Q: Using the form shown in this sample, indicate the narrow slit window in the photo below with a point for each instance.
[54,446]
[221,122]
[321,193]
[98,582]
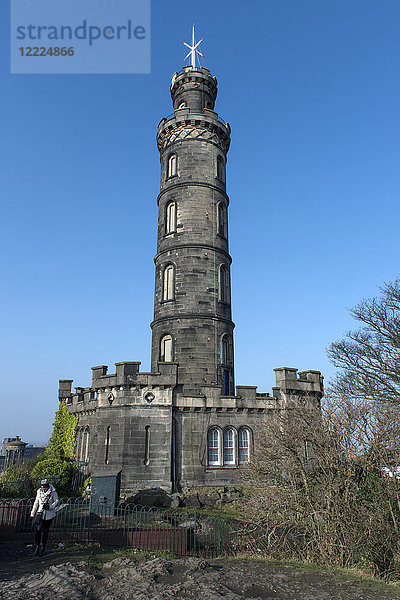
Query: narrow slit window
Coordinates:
[86,450]
[79,444]
[147,445]
[108,434]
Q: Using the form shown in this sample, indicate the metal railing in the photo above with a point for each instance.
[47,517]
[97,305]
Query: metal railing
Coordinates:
[128,525]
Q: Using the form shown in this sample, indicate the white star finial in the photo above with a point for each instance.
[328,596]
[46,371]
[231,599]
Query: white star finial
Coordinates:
[193,51]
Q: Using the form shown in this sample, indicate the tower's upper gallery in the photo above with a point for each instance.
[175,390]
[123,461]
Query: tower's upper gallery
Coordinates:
[194,89]
[193,94]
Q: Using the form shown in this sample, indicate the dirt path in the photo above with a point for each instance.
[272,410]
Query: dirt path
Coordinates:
[23,577]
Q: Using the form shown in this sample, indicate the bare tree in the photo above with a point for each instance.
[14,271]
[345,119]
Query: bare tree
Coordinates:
[341,508]
[369,357]
[341,505]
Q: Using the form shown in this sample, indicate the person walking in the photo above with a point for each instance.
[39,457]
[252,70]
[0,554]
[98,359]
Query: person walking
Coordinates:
[43,513]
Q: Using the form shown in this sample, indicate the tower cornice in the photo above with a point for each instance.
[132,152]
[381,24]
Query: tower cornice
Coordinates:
[186,184]
[207,316]
[195,246]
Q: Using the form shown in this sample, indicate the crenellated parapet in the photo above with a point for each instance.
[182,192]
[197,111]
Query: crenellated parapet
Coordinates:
[127,386]
[194,88]
[296,389]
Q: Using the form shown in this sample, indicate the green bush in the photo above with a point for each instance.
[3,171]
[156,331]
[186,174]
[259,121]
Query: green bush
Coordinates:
[56,463]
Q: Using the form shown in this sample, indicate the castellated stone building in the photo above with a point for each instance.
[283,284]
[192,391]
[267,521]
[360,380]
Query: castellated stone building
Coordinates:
[184,424]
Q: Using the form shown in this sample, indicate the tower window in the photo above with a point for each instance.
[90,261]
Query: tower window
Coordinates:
[182,105]
[223,284]
[170,217]
[168,283]
[166,350]
[226,350]
[220,168]
[229,446]
[244,445]
[172,165]
[226,388]
[222,219]
[214,445]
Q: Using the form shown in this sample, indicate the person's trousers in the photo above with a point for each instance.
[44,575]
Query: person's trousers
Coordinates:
[42,534]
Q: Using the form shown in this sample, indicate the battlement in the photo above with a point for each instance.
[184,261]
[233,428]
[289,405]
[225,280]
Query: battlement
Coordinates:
[293,387]
[195,88]
[122,386]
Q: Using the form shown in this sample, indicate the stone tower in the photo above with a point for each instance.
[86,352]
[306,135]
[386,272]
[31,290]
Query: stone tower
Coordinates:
[192,306]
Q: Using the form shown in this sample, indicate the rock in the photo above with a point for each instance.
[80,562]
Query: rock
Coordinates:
[192,500]
[175,501]
[152,497]
[206,500]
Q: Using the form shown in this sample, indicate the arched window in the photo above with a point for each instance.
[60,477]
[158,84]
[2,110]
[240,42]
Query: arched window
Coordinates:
[170,217]
[226,350]
[244,445]
[214,446]
[223,284]
[220,168]
[172,165]
[222,219]
[168,283]
[166,350]
[182,105]
[229,446]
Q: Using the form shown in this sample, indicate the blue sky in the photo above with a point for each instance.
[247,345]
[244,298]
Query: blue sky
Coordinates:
[311,90]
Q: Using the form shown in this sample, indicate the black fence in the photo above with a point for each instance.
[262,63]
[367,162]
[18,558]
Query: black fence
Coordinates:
[128,525]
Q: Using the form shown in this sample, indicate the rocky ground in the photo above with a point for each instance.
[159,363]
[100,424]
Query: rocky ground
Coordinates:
[62,575]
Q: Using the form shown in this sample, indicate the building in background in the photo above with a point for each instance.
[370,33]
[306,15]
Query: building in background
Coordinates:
[14,451]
